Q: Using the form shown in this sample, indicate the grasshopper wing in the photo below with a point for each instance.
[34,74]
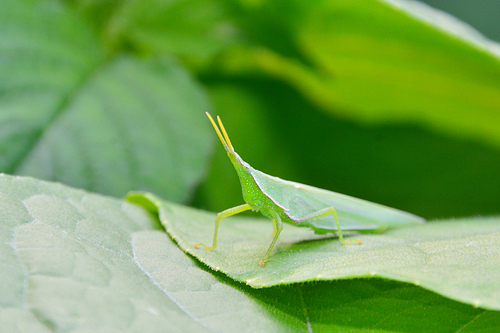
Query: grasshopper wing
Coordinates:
[299,200]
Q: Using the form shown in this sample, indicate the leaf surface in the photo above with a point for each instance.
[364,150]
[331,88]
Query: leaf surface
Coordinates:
[455,258]
[74,261]
[359,305]
[67,264]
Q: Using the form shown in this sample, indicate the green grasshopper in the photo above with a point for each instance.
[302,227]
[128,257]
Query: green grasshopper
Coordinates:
[303,205]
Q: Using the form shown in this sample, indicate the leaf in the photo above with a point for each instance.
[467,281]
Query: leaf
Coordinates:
[75,261]
[104,122]
[196,29]
[457,259]
[67,263]
[361,305]
[377,63]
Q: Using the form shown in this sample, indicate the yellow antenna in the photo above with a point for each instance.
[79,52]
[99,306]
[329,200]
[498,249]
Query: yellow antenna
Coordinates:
[225,133]
[224,139]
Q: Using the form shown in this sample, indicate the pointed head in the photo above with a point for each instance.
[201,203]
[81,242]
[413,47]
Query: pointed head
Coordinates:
[224,138]
[240,165]
[251,193]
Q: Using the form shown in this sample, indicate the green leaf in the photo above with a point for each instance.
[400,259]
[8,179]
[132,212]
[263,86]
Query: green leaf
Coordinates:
[67,263]
[378,63]
[193,29]
[104,122]
[361,305]
[457,259]
[74,261]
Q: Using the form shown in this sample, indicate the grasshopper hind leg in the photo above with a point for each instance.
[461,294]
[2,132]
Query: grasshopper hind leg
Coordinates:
[327,211]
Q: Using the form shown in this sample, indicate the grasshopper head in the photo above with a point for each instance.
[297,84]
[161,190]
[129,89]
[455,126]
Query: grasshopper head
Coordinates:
[250,189]
[224,138]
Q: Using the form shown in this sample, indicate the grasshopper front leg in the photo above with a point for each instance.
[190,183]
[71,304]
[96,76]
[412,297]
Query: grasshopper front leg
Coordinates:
[220,216]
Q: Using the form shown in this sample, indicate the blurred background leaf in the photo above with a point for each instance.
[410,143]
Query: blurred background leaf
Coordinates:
[107,121]
[390,101]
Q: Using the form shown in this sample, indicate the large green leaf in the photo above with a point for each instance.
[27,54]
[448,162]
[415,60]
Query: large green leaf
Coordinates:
[106,122]
[360,305]
[458,259]
[378,62]
[73,261]
[67,264]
